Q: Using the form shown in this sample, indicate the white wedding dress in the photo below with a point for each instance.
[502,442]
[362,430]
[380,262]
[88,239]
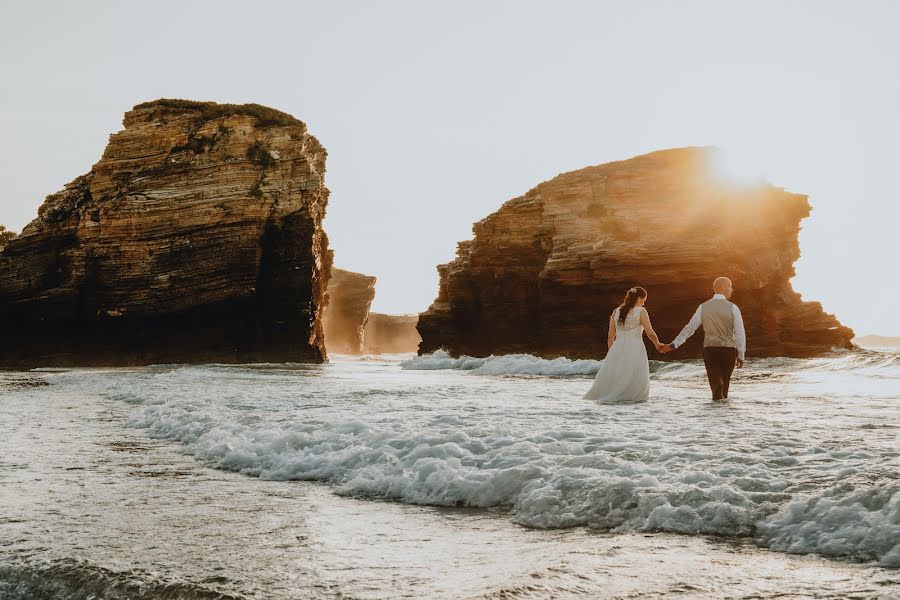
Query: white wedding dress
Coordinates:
[624,375]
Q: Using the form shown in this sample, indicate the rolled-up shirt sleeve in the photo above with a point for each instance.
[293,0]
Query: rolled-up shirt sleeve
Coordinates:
[739,333]
[690,329]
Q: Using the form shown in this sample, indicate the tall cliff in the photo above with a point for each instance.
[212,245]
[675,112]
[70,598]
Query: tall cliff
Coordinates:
[347,311]
[197,237]
[391,334]
[543,273]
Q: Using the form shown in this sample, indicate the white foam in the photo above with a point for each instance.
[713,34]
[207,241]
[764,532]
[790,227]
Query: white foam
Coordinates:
[846,364]
[797,472]
[861,523]
[509,364]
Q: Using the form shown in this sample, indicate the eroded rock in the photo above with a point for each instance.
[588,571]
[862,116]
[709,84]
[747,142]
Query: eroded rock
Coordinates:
[391,334]
[350,296]
[543,273]
[197,237]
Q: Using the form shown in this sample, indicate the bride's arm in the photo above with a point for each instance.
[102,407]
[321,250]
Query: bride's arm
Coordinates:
[611,336]
[648,328]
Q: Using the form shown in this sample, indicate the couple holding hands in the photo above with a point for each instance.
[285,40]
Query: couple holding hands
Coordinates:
[624,375]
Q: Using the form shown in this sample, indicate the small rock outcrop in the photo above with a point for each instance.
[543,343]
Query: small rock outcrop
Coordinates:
[391,334]
[349,298]
[543,273]
[351,329]
[197,237]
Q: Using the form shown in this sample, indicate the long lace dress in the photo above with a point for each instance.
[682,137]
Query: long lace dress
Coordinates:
[624,375]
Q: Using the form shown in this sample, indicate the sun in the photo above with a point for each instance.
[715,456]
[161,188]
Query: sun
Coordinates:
[737,166]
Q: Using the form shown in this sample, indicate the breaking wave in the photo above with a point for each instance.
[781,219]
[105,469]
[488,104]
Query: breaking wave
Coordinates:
[61,579]
[794,496]
[861,362]
[509,364]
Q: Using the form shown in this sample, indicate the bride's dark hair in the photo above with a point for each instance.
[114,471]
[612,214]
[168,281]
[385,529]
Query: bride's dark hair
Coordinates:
[631,298]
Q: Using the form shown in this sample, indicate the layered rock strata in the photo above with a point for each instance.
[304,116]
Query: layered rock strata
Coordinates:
[349,298]
[391,334]
[197,237]
[543,273]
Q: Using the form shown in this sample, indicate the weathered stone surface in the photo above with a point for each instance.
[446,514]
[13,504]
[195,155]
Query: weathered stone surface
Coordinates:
[351,329]
[197,237]
[543,273]
[349,297]
[391,334]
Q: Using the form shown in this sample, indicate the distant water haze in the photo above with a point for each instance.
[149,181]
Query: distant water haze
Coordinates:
[434,114]
[878,342]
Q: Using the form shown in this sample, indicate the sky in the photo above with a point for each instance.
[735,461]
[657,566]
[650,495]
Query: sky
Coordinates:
[435,113]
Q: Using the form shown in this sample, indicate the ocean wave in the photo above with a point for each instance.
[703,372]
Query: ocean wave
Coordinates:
[508,364]
[863,362]
[527,364]
[861,523]
[76,579]
[557,478]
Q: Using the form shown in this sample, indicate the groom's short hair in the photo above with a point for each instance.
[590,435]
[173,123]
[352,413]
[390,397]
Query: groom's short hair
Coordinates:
[721,283]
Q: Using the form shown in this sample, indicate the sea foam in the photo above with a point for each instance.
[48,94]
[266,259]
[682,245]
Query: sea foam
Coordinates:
[622,468]
[509,364]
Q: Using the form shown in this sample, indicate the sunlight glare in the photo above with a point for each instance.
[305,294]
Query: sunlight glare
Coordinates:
[738,167]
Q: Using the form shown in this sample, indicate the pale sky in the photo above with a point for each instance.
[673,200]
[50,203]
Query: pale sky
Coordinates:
[434,114]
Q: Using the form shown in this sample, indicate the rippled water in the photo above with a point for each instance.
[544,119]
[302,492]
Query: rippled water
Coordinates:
[270,481]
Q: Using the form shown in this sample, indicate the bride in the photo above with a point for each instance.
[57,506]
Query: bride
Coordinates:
[624,375]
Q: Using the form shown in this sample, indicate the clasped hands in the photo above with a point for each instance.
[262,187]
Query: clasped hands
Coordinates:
[664,348]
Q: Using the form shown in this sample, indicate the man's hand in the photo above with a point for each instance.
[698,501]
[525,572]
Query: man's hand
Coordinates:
[739,363]
[666,348]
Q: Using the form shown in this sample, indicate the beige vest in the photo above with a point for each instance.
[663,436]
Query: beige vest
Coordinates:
[717,317]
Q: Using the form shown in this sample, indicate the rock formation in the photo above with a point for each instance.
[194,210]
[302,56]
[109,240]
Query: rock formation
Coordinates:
[543,273]
[197,237]
[351,329]
[349,297]
[391,334]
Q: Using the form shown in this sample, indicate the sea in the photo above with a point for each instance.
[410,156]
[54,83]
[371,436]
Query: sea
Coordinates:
[430,476]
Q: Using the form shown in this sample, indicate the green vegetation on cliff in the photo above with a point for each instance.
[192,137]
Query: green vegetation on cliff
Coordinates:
[5,236]
[265,116]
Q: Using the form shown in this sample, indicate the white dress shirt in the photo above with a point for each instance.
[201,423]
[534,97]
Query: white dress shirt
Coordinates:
[694,324]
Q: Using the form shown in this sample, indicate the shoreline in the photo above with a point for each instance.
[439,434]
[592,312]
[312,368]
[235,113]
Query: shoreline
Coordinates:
[89,491]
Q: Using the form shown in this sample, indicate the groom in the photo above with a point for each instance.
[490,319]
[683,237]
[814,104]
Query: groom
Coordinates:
[725,341]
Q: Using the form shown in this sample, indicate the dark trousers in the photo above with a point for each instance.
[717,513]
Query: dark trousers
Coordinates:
[719,367]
